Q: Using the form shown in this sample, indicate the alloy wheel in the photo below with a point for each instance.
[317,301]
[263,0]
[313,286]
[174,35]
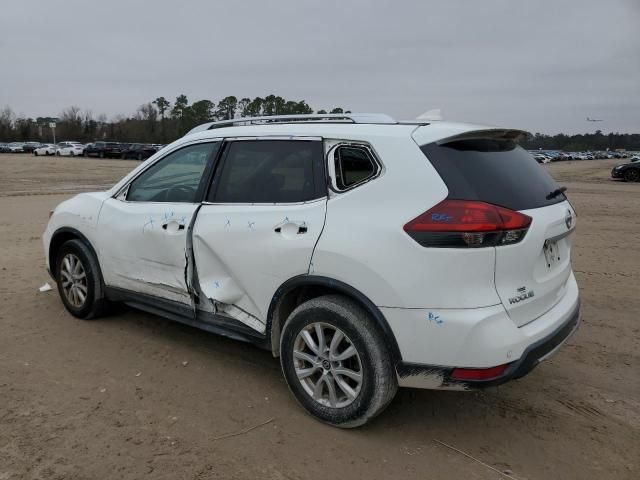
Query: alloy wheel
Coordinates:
[74,280]
[327,365]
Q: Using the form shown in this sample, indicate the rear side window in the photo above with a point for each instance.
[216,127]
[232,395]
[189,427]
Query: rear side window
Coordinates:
[353,165]
[271,171]
[493,171]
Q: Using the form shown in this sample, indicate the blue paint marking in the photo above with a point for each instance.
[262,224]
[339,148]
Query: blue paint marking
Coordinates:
[432,317]
[228,224]
[251,225]
[441,217]
[216,284]
[149,224]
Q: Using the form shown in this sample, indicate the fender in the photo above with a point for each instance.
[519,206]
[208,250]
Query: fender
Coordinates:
[68,233]
[347,290]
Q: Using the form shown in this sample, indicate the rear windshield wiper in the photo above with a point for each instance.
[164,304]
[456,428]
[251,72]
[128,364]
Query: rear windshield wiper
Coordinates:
[556,192]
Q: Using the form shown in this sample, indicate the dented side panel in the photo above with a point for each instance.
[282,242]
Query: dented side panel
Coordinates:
[143,247]
[244,253]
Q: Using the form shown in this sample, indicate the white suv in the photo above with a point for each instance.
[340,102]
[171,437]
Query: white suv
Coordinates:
[366,253]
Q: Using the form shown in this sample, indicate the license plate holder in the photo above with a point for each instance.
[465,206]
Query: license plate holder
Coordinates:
[551,252]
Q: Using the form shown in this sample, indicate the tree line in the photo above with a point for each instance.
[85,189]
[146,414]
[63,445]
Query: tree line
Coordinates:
[162,121]
[597,141]
[157,121]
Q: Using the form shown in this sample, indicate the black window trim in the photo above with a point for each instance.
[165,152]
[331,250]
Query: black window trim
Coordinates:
[211,190]
[122,192]
[352,144]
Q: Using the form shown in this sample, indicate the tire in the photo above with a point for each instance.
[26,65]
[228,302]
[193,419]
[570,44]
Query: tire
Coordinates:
[632,175]
[372,362]
[57,154]
[90,285]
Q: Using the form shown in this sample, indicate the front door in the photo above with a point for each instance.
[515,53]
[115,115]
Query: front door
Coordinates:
[260,224]
[143,241]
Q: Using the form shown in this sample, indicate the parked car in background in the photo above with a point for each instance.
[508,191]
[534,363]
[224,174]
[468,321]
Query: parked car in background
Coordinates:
[3,147]
[70,149]
[542,158]
[277,219]
[629,172]
[45,149]
[15,147]
[138,151]
[29,147]
[103,150]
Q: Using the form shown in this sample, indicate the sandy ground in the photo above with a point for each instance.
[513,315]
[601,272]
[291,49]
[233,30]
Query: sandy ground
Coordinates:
[112,399]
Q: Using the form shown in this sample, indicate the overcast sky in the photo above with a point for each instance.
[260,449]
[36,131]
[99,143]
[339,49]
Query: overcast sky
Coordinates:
[538,65]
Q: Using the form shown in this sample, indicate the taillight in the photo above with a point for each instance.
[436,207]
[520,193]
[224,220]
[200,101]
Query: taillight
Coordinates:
[467,223]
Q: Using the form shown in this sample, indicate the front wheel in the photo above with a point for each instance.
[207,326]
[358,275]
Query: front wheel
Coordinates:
[632,175]
[336,363]
[79,281]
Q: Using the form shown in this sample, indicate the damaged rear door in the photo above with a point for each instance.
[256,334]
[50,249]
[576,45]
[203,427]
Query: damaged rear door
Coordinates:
[263,216]
[144,230]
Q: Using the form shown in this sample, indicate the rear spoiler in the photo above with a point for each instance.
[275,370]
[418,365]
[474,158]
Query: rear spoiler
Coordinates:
[496,134]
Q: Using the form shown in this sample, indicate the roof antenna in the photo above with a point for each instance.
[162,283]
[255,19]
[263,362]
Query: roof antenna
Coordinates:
[435,114]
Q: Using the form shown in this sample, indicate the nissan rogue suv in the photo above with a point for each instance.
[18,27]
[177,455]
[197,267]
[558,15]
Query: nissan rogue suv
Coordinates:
[363,252]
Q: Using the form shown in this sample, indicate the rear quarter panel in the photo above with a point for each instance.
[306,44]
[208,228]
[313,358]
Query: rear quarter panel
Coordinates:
[364,245]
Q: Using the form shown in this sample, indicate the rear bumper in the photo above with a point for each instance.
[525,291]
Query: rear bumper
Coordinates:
[430,376]
[433,343]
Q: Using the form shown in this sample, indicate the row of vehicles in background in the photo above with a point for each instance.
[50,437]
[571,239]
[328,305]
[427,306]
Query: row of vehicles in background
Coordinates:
[547,156]
[628,171]
[100,149]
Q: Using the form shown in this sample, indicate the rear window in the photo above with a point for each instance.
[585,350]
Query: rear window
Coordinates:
[493,171]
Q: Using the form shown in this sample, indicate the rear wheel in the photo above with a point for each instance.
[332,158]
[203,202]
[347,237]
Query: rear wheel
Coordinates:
[35,153]
[336,363]
[79,281]
[632,175]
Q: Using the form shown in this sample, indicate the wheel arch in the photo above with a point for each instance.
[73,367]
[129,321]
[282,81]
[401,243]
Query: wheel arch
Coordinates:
[62,235]
[305,287]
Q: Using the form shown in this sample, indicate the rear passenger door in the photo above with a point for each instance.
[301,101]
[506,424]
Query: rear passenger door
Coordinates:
[264,213]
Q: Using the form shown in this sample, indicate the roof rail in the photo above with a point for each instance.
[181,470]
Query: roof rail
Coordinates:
[373,118]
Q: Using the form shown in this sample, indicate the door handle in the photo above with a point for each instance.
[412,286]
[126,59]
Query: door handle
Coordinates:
[301,227]
[166,225]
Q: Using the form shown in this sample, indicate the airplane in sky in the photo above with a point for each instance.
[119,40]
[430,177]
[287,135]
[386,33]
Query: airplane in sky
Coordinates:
[593,119]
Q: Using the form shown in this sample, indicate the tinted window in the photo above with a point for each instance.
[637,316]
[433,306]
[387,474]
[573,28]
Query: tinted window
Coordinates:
[493,171]
[175,178]
[271,171]
[353,165]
